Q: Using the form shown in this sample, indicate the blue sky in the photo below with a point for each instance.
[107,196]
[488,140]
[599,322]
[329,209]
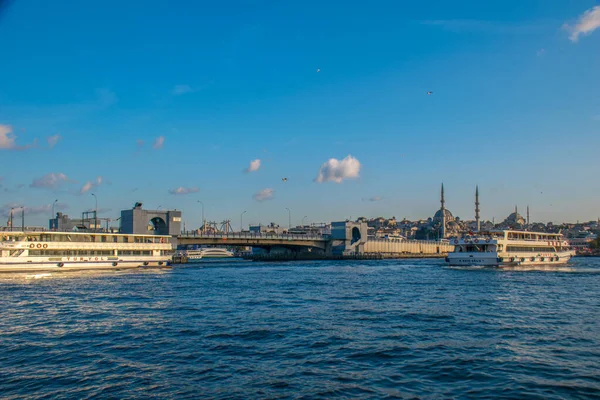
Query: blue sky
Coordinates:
[87,90]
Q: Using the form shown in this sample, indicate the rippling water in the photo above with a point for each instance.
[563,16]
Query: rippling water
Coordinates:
[406,329]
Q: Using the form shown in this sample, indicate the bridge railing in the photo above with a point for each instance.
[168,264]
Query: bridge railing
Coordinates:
[252,235]
[409,241]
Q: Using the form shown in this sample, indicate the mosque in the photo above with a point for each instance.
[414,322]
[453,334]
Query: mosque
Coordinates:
[515,220]
[447,225]
[443,224]
[443,220]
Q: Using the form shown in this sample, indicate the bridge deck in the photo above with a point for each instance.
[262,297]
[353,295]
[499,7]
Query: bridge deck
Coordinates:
[246,235]
[254,239]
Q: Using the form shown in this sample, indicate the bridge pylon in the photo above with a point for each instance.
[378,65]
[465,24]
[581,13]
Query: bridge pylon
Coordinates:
[226,226]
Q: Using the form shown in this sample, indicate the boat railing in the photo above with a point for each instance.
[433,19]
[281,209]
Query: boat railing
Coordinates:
[551,239]
[17,229]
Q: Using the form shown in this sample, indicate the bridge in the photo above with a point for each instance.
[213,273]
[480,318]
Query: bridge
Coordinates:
[322,244]
[260,240]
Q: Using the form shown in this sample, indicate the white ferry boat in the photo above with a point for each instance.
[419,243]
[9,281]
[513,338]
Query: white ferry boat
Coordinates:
[509,248]
[216,252]
[192,255]
[54,251]
[198,255]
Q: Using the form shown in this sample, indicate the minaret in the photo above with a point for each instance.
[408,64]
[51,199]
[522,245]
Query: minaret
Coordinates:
[443,209]
[477,208]
[527,214]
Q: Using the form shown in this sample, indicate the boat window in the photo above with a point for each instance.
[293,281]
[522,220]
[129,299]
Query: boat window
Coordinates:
[125,239]
[477,248]
[115,239]
[103,239]
[530,249]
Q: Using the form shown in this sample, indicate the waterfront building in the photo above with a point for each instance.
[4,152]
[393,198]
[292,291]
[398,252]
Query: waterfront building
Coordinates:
[270,228]
[157,222]
[63,223]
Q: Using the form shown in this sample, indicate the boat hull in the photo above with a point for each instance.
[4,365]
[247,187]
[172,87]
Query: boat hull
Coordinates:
[466,260]
[194,259]
[48,266]
[505,260]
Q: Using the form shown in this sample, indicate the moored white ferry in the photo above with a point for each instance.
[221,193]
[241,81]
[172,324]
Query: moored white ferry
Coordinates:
[56,251]
[197,255]
[192,255]
[509,248]
[216,252]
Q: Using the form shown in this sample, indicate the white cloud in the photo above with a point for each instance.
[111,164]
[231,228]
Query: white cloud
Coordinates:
[91,184]
[100,210]
[44,209]
[53,140]
[540,52]
[376,198]
[139,143]
[159,142]
[265,194]
[337,170]
[8,139]
[181,89]
[50,181]
[588,22]
[86,187]
[254,166]
[183,190]
[596,117]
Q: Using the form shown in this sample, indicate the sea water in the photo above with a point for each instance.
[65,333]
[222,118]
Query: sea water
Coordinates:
[303,330]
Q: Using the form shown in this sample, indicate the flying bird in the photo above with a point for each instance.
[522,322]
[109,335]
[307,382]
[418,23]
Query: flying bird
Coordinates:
[429,93]
[318,69]
[284,179]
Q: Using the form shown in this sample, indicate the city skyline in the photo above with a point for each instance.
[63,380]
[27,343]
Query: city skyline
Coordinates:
[320,109]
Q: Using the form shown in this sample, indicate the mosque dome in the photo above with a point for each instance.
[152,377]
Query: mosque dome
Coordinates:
[515,218]
[453,226]
[437,218]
